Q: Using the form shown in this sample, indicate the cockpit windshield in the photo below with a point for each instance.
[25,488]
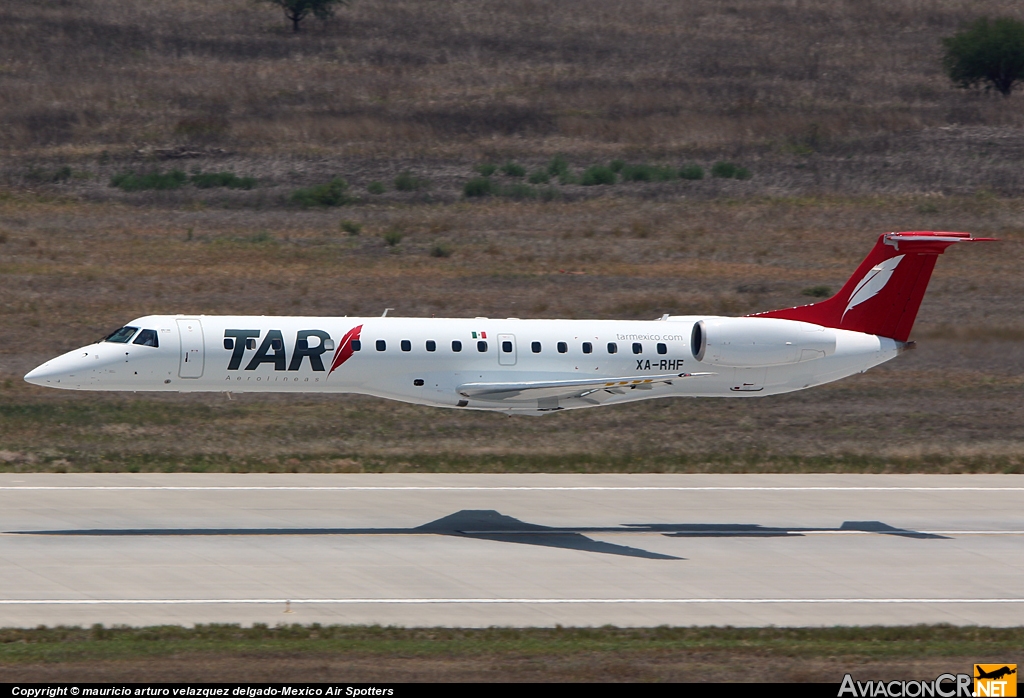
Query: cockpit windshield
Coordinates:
[147,338]
[122,335]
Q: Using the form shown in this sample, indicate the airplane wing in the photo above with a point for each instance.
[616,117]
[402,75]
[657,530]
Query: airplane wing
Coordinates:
[566,389]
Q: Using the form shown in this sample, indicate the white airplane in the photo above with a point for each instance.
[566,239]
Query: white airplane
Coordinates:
[524,366]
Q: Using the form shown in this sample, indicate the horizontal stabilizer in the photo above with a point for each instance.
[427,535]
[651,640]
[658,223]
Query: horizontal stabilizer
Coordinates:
[884,294]
[565,389]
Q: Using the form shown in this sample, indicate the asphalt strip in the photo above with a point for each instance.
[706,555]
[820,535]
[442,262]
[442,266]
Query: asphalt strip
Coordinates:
[179,602]
[516,489]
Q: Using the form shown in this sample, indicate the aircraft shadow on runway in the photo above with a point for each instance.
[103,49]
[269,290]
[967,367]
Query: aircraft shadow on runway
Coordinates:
[484,524]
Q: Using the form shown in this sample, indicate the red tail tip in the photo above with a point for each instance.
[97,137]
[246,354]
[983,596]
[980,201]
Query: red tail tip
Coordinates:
[883,295]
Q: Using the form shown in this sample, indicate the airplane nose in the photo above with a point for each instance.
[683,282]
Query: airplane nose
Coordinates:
[38,375]
[57,372]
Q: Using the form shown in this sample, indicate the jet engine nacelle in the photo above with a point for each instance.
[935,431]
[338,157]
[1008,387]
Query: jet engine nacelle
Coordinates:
[751,341]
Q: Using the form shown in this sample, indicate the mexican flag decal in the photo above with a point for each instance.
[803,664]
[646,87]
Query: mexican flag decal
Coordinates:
[479,335]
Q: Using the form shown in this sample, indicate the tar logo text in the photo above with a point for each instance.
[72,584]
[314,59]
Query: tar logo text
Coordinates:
[995,680]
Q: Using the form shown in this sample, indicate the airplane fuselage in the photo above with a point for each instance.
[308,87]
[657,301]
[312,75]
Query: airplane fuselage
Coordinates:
[507,365]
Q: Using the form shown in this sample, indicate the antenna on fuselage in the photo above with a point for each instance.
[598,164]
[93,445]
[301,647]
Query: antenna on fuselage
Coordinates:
[385,313]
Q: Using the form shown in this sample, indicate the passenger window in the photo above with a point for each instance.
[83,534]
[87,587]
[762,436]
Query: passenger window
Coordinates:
[147,338]
[613,348]
[277,344]
[229,343]
[506,346]
[381,345]
[329,344]
[481,346]
[250,343]
[121,336]
[431,345]
[662,349]
[456,345]
[406,345]
[535,347]
[588,348]
[356,345]
[562,347]
[638,348]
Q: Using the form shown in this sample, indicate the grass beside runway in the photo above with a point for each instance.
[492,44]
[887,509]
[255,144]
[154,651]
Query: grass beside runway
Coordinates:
[750,461]
[77,270]
[374,653]
[896,419]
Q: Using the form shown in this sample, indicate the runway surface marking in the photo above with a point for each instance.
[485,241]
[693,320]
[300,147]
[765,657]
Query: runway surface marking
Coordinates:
[384,488]
[509,531]
[179,602]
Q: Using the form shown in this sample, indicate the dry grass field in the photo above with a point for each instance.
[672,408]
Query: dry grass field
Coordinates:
[814,96]
[76,270]
[454,78]
[610,666]
[396,655]
[838,109]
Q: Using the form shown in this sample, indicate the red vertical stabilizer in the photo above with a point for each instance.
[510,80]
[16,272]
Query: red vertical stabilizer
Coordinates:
[883,295]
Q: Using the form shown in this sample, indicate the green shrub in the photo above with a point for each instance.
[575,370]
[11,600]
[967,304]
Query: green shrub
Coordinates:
[512,169]
[209,180]
[636,173]
[375,188]
[539,177]
[647,173]
[486,169]
[407,182]
[392,237]
[519,192]
[723,169]
[597,174]
[131,181]
[332,193]
[479,186]
[558,167]
[692,171]
[616,165]
[817,292]
[351,227]
[440,250]
[989,52]
[729,170]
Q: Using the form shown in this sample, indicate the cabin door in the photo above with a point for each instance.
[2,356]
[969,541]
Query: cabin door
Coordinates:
[193,357]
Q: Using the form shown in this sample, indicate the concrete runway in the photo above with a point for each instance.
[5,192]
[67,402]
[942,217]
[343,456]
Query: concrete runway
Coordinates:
[511,550]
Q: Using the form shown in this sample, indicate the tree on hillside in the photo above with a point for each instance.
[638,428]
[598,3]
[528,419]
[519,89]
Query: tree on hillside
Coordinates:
[298,10]
[989,52]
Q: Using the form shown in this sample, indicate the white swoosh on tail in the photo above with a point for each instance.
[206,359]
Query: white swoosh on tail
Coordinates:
[872,283]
